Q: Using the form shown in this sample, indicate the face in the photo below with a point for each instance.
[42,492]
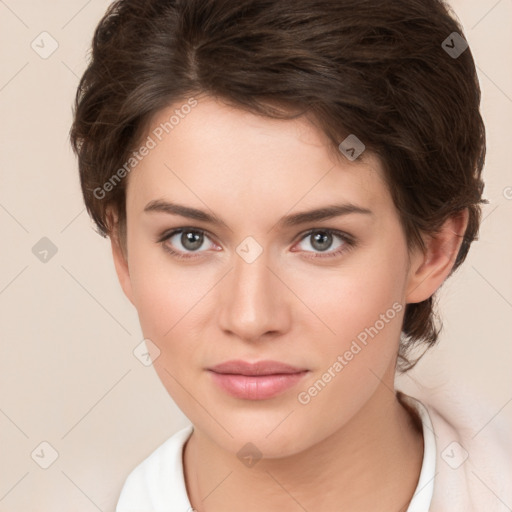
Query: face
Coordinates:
[250,280]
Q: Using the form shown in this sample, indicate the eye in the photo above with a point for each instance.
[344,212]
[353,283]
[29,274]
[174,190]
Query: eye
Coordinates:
[181,243]
[322,240]
[186,240]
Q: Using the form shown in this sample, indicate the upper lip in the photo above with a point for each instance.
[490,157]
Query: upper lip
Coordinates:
[240,367]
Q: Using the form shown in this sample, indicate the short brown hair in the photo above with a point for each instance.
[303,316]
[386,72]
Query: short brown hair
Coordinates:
[376,69]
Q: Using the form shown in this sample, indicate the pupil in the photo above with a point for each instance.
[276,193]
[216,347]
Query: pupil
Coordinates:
[320,238]
[191,240]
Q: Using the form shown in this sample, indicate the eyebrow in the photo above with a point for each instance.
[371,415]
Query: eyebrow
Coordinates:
[295,219]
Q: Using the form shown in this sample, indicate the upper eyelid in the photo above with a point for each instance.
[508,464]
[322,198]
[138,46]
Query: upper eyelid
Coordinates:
[171,232]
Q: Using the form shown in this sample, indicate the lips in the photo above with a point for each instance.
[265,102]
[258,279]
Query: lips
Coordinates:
[255,381]
[240,367]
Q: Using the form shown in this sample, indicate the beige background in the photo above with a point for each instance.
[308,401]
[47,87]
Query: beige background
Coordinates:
[68,375]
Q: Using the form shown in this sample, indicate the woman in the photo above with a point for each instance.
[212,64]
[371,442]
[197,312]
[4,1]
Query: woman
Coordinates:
[286,185]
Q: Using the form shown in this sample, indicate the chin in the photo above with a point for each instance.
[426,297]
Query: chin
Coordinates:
[260,433]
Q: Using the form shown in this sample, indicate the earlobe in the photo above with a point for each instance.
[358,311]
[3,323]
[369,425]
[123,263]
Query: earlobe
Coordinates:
[121,265]
[430,268]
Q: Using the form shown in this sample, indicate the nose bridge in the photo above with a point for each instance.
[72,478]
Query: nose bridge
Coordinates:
[251,304]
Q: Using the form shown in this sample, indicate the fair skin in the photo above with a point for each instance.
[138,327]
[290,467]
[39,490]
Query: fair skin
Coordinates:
[291,304]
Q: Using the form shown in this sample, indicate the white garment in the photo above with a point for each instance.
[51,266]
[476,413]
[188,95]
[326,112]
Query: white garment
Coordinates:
[463,470]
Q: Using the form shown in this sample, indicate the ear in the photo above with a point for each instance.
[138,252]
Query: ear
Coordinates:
[429,268]
[120,257]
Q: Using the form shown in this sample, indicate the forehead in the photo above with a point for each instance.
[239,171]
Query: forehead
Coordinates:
[222,156]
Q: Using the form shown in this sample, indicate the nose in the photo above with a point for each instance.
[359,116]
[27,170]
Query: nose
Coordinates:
[253,301]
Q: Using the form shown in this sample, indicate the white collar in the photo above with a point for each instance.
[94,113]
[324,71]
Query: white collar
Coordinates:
[422,497]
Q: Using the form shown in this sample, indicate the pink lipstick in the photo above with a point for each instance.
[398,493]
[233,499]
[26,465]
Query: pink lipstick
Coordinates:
[256,381]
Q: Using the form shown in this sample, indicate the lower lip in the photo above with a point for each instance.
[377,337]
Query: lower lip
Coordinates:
[252,387]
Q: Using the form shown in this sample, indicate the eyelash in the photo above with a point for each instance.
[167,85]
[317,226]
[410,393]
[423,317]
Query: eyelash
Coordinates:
[348,242]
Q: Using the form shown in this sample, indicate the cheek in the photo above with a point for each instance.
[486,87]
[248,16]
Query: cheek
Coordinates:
[173,302]
[161,290]
[364,307]
[353,297]
[362,303]
[168,304]
[167,299]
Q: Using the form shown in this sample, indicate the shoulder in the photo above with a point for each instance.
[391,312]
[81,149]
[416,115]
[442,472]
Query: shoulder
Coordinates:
[473,452]
[157,484]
